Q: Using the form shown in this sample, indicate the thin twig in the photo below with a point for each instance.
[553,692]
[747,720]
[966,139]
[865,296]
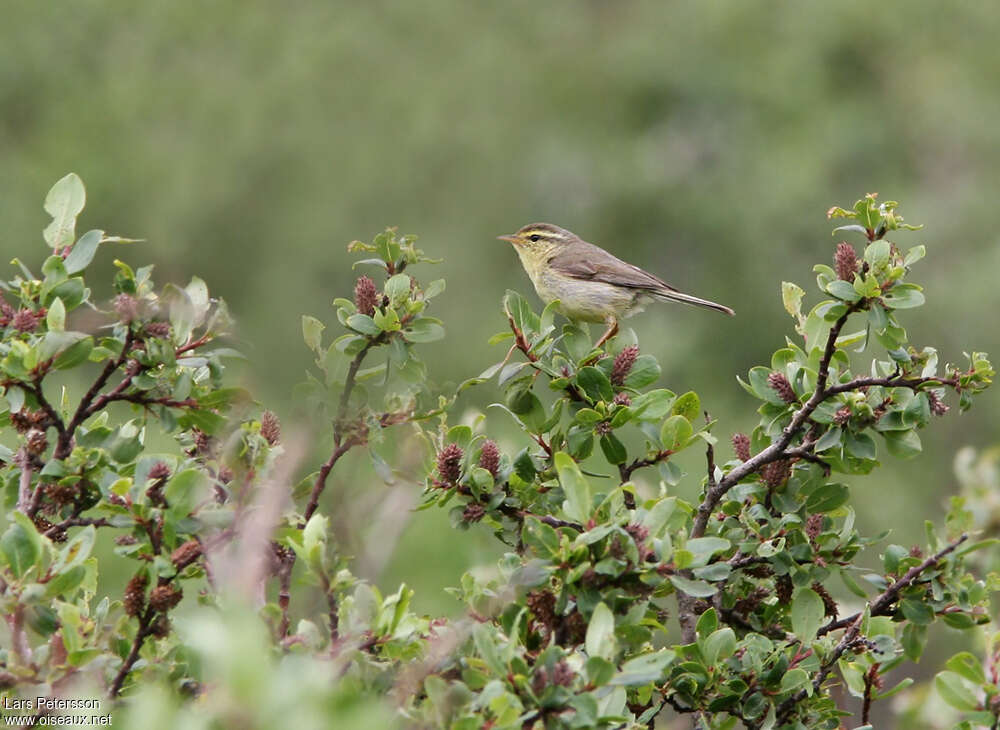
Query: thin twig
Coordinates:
[853,623]
[884,601]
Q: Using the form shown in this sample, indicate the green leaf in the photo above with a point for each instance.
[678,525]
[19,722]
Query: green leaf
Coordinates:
[902,444]
[904,296]
[675,433]
[794,679]
[645,668]
[600,639]
[183,490]
[719,645]
[645,371]
[877,254]
[614,450]
[595,384]
[575,487]
[827,497]
[914,255]
[424,329]
[967,666]
[21,545]
[434,288]
[64,202]
[387,321]
[76,352]
[83,251]
[397,288]
[791,298]
[860,445]
[363,323]
[917,611]
[703,548]
[955,691]
[55,318]
[708,622]
[76,550]
[314,540]
[807,614]
[913,641]
[843,290]
[694,588]
[688,405]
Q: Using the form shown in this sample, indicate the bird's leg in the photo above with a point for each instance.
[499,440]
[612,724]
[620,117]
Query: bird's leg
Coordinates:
[609,333]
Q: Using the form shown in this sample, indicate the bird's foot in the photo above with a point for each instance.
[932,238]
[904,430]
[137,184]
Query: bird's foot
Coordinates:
[608,334]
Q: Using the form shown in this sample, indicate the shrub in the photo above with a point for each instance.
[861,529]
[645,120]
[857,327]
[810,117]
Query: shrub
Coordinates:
[617,602]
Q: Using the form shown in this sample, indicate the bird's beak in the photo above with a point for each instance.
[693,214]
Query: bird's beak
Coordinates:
[511,239]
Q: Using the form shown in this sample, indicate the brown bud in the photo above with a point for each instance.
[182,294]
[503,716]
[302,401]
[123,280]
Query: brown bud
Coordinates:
[163,598]
[741,445]
[779,384]
[543,605]
[845,261]
[937,406]
[776,473]
[489,457]
[135,594]
[473,512]
[185,554]
[127,308]
[829,605]
[35,441]
[159,470]
[576,628]
[449,463]
[160,330]
[562,675]
[270,427]
[783,588]
[60,494]
[365,296]
[842,416]
[540,681]
[623,364]
[814,526]
[622,399]
[24,320]
[6,313]
[126,540]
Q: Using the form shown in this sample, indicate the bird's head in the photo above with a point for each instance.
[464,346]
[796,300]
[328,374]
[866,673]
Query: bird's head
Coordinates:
[539,239]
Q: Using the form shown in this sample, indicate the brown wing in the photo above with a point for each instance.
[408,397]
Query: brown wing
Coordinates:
[589,262]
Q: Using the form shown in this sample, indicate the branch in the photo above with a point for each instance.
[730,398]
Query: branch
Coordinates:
[83,409]
[889,596]
[776,450]
[880,606]
[145,629]
[321,478]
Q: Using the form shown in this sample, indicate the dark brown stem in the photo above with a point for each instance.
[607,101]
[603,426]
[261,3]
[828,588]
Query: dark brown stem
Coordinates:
[853,624]
[83,409]
[866,708]
[144,630]
[776,450]
[884,601]
[324,473]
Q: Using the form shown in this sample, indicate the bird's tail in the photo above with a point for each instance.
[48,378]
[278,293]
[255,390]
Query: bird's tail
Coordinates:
[671,295]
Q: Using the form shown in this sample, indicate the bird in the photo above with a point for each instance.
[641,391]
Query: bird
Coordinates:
[590,284]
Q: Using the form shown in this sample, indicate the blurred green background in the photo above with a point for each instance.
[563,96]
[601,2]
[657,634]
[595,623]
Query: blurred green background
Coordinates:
[704,141]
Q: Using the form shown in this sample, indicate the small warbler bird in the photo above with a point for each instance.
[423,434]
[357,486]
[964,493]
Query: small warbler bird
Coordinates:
[590,284]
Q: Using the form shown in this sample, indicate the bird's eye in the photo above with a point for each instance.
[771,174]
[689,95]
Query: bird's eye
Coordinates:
[535,237]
